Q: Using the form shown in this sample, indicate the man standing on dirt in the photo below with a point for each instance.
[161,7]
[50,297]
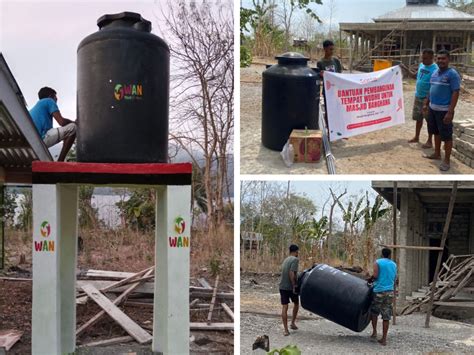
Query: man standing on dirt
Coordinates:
[423,77]
[385,274]
[42,114]
[441,104]
[288,284]
[328,63]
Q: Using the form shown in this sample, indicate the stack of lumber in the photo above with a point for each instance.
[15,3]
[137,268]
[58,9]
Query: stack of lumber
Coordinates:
[456,275]
[463,148]
[110,289]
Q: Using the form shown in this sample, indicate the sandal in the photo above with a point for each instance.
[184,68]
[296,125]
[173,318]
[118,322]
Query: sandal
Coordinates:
[444,167]
[431,157]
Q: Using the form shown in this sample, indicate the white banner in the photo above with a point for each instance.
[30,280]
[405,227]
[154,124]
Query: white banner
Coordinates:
[362,103]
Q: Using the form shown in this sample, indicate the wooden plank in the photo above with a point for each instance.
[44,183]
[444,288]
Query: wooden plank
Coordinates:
[121,318]
[452,200]
[212,326]
[14,279]
[118,340]
[204,283]
[117,301]
[119,275]
[9,337]
[455,304]
[127,280]
[213,301]
[221,295]
[146,287]
[228,310]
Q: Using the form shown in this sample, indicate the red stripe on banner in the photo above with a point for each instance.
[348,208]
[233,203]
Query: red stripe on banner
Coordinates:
[369,123]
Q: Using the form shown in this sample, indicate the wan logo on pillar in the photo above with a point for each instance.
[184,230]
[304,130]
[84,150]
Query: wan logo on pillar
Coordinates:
[179,240]
[45,244]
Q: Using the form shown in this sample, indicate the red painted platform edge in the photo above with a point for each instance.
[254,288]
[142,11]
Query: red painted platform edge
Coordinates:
[112,168]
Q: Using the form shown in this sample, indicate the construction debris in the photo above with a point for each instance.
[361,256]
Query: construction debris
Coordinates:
[463,147]
[110,289]
[455,275]
[8,338]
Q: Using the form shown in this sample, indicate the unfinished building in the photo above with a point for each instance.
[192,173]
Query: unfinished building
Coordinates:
[401,35]
[423,206]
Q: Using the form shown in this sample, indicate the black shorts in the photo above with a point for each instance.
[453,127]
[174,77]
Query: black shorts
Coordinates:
[436,125]
[286,296]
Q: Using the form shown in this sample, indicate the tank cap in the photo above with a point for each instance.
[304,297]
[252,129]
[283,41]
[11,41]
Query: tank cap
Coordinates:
[124,19]
[292,58]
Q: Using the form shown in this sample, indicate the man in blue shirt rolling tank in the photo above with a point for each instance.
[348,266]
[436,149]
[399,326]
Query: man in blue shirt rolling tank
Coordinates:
[42,115]
[385,274]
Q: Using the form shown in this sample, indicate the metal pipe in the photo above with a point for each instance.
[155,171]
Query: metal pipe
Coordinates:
[330,160]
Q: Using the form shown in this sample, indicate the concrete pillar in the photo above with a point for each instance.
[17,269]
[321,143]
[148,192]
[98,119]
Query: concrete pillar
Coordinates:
[171,301]
[434,41]
[406,257]
[469,48]
[357,51]
[54,269]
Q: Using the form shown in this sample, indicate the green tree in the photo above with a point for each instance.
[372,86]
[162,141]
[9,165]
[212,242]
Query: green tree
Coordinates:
[372,214]
[461,5]
[7,210]
[25,217]
[88,214]
[351,215]
[138,211]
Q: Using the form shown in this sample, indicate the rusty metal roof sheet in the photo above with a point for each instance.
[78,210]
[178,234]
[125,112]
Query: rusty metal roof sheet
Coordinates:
[20,142]
[425,13]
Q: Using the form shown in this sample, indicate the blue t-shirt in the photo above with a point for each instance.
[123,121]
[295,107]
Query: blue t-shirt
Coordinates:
[42,115]
[423,79]
[387,275]
[443,84]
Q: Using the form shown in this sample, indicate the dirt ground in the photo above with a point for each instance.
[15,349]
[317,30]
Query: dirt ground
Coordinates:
[260,315]
[382,152]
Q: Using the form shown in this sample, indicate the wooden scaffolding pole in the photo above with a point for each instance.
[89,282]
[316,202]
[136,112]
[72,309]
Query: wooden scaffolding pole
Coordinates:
[440,253]
[395,253]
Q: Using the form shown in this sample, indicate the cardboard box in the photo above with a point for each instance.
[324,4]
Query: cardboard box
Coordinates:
[307,145]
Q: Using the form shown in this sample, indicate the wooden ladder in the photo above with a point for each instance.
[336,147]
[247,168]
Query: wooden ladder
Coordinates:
[389,37]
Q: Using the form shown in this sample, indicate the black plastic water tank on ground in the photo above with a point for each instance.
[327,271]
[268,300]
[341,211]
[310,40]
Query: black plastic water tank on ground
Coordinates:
[290,99]
[123,92]
[337,296]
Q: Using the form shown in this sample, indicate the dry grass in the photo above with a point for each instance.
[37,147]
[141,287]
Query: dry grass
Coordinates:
[128,250]
[263,262]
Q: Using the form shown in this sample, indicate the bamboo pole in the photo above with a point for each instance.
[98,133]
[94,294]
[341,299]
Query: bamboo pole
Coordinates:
[440,253]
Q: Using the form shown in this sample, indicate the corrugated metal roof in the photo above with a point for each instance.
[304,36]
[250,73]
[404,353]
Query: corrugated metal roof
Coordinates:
[20,143]
[425,13]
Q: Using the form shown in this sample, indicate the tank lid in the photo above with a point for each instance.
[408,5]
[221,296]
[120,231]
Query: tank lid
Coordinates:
[292,58]
[124,19]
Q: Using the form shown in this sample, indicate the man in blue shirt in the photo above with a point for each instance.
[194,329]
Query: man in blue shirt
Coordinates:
[42,115]
[441,103]
[385,274]
[423,77]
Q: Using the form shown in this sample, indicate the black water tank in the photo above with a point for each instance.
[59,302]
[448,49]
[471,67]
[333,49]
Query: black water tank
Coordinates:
[290,99]
[123,92]
[337,296]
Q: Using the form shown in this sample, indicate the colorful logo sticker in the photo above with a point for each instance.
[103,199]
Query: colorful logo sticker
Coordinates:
[128,92]
[45,229]
[179,225]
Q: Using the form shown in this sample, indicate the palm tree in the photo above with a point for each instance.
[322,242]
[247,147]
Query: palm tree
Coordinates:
[371,215]
[351,217]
